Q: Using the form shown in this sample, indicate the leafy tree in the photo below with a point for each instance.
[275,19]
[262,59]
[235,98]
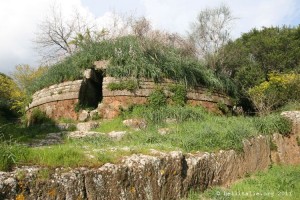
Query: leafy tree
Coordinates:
[261,52]
[25,75]
[56,33]
[11,97]
[273,49]
[250,59]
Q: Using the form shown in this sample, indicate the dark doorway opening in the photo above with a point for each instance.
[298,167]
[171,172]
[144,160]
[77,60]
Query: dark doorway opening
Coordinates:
[90,94]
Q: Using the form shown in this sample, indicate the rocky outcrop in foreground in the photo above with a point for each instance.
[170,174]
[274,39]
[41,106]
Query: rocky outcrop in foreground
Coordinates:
[157,176]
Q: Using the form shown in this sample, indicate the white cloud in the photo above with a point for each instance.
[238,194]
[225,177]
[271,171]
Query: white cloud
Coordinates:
[262,13]
[177,15]
[19,21]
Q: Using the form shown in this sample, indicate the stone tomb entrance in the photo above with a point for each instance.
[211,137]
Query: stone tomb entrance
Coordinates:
[90,93]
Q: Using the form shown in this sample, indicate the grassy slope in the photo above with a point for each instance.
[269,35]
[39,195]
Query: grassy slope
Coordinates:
[280,182]
[195,130]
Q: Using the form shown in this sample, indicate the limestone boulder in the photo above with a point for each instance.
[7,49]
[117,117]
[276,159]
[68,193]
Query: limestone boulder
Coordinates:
[136,124]
[83,116]
[65,126]
[94,114]
[117,135]
[86,126]
[101,64]
[81,134]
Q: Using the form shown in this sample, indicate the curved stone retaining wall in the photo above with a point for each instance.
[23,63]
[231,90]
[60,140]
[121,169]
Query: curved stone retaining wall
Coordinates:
[57,100]
[113,100]
[60,100]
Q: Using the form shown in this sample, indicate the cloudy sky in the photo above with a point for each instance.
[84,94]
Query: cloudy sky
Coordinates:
[19,19]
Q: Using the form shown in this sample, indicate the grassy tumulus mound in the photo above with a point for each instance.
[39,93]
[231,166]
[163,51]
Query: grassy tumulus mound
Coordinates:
[134,57]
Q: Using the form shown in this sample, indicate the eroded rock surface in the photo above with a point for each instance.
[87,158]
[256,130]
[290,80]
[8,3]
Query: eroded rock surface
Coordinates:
[86,126]
[159,176]
[136,124]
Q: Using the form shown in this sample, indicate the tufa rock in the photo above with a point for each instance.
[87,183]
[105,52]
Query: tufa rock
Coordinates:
[94,114]
[88,73]
[101,64]
[136,124]
[80,134]
[83,116]
[117,135]
[65,126]
[86,126]
[163,176]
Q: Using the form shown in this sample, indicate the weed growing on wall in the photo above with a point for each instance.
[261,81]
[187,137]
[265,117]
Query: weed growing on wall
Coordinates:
[130,85]
[179,94]
[223,107]
[157,98]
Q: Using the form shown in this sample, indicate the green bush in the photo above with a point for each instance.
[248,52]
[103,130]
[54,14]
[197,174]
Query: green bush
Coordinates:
[39,117]
[223,107]
[278,91]
[179,94]
[157,98]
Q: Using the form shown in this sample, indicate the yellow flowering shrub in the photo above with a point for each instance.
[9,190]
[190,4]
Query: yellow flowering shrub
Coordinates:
[271,94]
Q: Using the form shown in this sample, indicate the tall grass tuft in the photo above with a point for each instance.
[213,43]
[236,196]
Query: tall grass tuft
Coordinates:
[11,154]
[159,115]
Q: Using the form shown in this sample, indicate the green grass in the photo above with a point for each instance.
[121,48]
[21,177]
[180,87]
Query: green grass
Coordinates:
[193,129]
[58,156]
[279,182]
[107,126]
[22,134]
[67,120]
[158,116]
[11,154]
